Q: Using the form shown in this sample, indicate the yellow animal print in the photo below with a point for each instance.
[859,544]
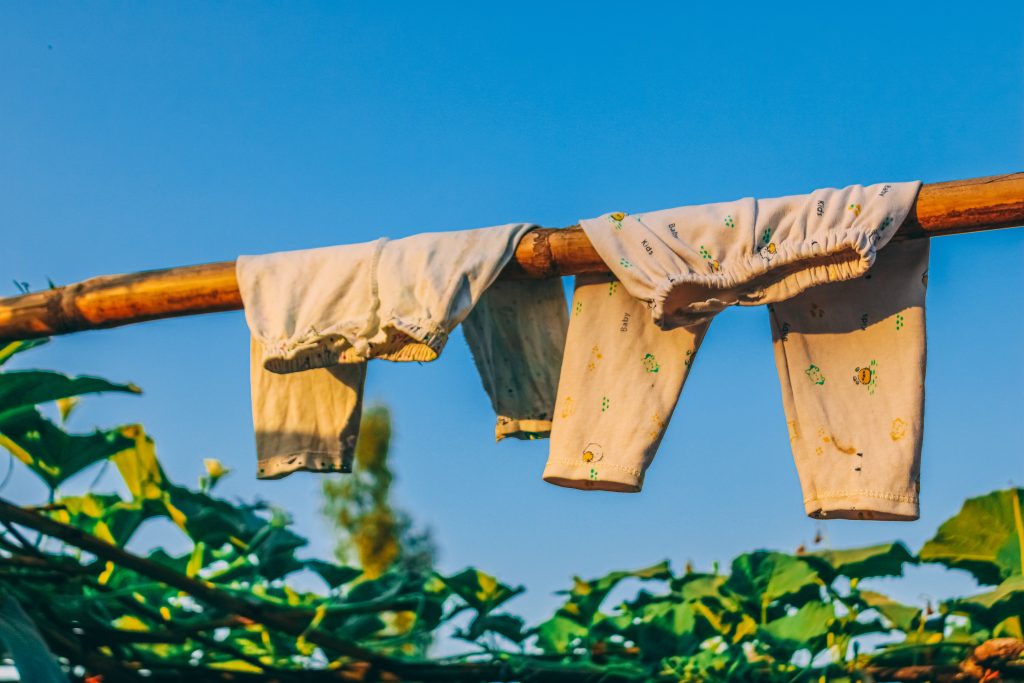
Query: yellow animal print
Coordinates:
[899,429]
[659,425]
[568,406]
[595,355]
[791,428]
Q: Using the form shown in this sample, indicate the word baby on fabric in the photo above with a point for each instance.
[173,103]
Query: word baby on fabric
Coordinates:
[316,316]
[848,331]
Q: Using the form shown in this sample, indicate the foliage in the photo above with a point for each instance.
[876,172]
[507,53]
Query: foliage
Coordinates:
[238,604]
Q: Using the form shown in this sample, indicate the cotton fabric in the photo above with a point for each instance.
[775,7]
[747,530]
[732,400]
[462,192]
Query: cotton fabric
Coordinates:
[516,333]
[317,316]
[691,262]
[851,361]
[680,267]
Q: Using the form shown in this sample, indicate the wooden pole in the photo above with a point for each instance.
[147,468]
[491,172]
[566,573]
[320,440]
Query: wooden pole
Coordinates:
[949,208]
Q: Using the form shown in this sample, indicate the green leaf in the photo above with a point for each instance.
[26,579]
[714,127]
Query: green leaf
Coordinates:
[23,388]
[52,453]
[886,559]
[480,590]
[103,515]
[14,347]
[984,538]
[334,575]
[803,628]
[902,617]
[1006,601]
[506,625]
[558,633]
[762,578]
[586,597]
[31,655]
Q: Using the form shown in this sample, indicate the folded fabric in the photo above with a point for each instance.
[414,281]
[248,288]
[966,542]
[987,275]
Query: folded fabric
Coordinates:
[517,335]
[316,317]
[396,300]
[691,262]
[627,357]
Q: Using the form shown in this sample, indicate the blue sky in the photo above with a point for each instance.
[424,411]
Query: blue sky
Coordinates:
[136,136]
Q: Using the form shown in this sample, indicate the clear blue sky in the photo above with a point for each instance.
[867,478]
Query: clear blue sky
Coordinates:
[148,135]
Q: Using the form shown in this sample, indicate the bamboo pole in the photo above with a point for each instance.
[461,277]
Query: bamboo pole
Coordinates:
[948,208]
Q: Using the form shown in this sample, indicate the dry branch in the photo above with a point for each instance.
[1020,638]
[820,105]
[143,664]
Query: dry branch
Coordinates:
[947,208]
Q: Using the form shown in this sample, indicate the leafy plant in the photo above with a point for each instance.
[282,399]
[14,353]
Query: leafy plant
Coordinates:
[230,608]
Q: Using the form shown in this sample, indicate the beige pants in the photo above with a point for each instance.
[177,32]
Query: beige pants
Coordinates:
[318,315]
[849,343]
[851,360]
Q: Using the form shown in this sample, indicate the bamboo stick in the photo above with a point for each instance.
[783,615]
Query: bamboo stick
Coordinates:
[948,208]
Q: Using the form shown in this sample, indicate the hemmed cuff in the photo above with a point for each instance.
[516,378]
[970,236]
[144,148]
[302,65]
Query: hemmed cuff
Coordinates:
[280,466]
[597,476]
[864,505]
[525,429]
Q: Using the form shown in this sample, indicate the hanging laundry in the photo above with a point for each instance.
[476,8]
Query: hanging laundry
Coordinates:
[851,361]
[304,420]
[517,335]
[683,266]
[323,313]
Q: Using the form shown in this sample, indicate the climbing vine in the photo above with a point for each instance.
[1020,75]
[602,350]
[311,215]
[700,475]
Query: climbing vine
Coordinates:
[228,609]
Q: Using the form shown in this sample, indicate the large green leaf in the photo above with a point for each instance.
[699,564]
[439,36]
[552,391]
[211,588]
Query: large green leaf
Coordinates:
[10,349]
[762,578]
[52,453]
[803,628]
[103,515]
[886,559]
[984,538]
[902,617]
[23,388]
[557,634]
[1006,601]
[480,590]
[586,596]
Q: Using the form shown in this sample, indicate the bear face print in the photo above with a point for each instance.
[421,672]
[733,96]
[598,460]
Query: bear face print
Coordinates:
[767,252]
[650,363]
[814,373]
[867,376]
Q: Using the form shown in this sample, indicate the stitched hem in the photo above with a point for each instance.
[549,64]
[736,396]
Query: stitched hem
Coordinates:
[528,429]
[864,505]
[593,476]
[279,466]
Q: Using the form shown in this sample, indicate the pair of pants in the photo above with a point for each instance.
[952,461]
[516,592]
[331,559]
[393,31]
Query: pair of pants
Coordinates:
[317,316]
[851,363]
